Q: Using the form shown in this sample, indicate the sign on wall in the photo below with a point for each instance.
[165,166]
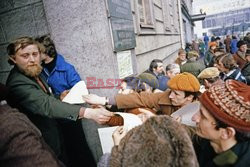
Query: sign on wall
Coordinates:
[124,63]
[121,24]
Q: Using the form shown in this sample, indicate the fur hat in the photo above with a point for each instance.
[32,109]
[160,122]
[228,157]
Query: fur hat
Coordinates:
[160,141]
[210,72]
[149,79]
[240,43]
[184,82]
[229,102]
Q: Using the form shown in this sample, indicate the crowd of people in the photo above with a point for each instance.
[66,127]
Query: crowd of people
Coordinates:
[38,129]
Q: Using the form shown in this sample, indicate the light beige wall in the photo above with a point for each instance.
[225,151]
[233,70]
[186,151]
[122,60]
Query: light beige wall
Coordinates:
[157,43]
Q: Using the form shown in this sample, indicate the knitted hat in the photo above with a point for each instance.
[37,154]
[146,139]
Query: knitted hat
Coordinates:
[229,102]
[212,44]
[149,79]
[184,82]
[210,72]
[193,53]
[160,141]
[240,43]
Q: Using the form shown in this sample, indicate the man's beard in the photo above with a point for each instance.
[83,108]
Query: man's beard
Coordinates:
[33,70]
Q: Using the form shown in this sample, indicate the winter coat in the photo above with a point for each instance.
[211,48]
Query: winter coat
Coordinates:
[62,77]
[233,46]
[246,72]
[193,67]
[41,107]
[240,59]
[208,58]
[237,156]
[234,74]
[158,101]
[21,143]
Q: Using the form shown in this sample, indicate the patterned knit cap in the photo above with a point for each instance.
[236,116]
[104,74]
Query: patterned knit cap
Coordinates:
[229,102]
[184,82]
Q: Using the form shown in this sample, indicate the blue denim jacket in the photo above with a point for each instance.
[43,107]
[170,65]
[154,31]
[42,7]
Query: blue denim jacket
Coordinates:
[62,77]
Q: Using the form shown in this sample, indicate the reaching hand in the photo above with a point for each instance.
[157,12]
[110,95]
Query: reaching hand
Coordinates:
[94,99]
[145,114]
[63,94]
[118,134]
[100,115]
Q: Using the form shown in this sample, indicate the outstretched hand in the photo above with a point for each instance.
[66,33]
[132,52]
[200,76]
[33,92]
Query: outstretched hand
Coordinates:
[145,114]
[118,134]
[100,114]
[94,99]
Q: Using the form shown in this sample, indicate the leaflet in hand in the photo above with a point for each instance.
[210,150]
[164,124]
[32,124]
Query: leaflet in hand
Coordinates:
[75,94]
[186,112]
[105,134]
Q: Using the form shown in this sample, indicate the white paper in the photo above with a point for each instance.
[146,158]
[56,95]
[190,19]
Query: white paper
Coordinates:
[75,94]
[186,113]
[130,120]
[105,134]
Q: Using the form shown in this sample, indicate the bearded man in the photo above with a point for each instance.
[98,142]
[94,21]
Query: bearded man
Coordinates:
[31,95]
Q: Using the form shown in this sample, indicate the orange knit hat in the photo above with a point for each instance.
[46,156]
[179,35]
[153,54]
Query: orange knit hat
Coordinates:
[212,44]
[184,82]
[229,102]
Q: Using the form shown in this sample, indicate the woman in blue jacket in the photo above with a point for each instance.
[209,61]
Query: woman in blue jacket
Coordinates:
[59,74]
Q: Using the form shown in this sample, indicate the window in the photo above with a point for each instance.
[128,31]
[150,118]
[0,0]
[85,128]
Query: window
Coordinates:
[170,14]
[145,13]
[203,24]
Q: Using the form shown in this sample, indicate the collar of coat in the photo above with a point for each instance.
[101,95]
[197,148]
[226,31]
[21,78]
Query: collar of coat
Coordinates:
[241,55]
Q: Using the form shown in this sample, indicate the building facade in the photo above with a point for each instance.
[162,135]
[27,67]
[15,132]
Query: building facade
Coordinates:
[232,22]
[224,17]
[105,40]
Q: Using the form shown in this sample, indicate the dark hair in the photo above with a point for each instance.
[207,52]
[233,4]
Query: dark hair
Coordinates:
[217,38]
[219,49]
[234,37]
[49,45]
[239,136]
[135,84]
[194,94]
[240,43]
[153,64]
[212,80]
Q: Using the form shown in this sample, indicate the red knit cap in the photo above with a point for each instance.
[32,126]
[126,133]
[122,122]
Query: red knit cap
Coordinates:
[229,102]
